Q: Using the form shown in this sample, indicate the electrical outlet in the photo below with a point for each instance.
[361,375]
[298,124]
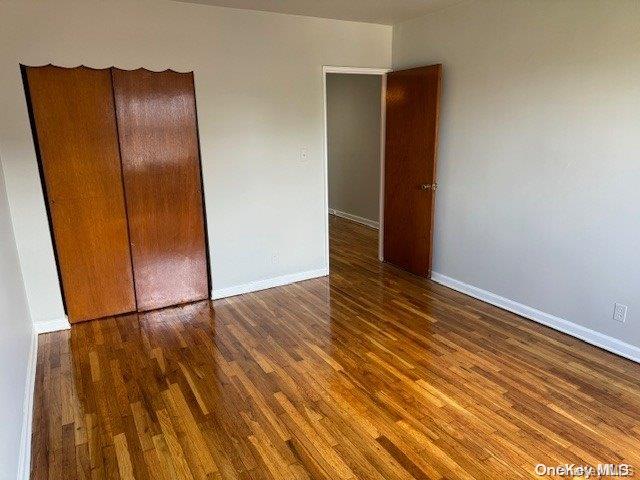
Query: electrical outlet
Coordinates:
[620,313]
[275,259]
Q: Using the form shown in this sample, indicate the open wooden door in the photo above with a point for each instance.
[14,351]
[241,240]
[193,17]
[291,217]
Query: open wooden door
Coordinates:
[412,103]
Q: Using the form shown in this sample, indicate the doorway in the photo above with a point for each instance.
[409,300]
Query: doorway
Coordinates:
[408,118]
[354,101]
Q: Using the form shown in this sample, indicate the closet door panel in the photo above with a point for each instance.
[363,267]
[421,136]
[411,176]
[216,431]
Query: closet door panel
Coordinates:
[161,167]
[75,125]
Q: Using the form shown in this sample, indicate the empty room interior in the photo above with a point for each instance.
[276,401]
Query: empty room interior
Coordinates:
[312,239]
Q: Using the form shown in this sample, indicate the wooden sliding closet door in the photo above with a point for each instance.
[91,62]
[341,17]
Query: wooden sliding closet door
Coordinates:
[76,133]
[161,167]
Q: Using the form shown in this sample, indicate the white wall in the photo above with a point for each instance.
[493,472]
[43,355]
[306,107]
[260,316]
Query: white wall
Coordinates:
[539,165]
[16,335]
[353,143]
[260,99]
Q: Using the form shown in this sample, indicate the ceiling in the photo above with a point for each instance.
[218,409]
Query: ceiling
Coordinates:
[388,12]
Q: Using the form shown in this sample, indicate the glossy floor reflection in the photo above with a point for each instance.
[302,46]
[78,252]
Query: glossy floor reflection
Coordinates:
[371,373]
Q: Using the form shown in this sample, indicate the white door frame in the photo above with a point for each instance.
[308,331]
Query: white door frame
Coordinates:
[383,91]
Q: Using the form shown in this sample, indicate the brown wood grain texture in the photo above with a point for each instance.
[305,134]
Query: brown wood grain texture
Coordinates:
[161,167]
[411,141]
[370,373]
[76,130]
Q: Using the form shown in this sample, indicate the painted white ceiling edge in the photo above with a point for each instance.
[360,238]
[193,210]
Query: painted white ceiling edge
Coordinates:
[385,12]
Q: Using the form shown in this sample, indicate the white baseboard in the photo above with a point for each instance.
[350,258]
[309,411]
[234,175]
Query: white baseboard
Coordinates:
[355,218]
[52,325]
[24,461]
[268,283]
[598,339]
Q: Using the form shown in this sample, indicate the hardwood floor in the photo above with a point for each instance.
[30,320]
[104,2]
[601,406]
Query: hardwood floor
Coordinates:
[370,373]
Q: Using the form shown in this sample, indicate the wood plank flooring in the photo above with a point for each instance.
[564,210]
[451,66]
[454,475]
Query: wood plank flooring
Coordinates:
[370,373]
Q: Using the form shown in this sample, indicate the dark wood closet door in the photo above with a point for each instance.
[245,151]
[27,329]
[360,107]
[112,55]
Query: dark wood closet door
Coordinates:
[161,167]
[76,134]
[412,101]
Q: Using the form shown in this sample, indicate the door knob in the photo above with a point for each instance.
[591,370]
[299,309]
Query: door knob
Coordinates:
[424,186]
